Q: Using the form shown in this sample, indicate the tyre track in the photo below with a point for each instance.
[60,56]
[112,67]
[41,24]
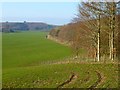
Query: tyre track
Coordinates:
[99,79]
[73,76]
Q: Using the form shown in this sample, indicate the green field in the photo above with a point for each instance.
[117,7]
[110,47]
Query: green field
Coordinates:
[32,61]
[28,48]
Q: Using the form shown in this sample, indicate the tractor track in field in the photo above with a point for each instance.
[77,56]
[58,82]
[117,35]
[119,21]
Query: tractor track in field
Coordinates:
[99,80]
[72,77]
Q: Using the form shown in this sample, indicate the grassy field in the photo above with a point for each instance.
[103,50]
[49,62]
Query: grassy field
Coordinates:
[32,61]
[27,48]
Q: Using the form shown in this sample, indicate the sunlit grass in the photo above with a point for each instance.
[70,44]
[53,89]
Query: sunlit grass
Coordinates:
[25,48]
[53,75]
[31,61]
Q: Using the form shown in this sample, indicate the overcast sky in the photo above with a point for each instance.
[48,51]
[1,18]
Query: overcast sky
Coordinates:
[58,13]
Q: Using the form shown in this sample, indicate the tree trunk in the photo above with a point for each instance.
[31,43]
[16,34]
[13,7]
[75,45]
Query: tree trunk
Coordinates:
[112,29]
[112,45]
[98,39]
[98,48]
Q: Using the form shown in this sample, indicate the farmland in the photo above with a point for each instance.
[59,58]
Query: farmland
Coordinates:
[22,49]
[32,61]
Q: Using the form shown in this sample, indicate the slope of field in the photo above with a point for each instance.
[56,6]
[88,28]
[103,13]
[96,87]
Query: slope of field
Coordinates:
[32,61]
[22,49]
[52,76]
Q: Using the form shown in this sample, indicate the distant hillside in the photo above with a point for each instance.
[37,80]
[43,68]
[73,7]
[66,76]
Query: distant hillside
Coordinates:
[25,26]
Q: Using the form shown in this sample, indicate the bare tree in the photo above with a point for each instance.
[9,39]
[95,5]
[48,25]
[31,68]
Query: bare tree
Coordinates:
[111,13]
[90,14]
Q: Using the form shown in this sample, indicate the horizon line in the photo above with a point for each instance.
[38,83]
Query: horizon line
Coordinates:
[31,22]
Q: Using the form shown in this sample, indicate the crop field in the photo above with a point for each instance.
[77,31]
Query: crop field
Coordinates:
[32,61]
[27,48]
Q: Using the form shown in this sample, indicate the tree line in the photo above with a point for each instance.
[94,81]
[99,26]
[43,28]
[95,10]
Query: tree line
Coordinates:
[95,30]
[99,29]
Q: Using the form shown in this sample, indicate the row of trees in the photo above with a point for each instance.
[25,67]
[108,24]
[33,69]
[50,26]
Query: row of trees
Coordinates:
[13,27]
[99,28]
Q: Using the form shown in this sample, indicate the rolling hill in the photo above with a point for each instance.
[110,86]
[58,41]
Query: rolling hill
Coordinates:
[25,26]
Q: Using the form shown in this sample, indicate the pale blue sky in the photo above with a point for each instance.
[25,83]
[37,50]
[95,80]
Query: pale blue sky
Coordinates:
[49,12]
